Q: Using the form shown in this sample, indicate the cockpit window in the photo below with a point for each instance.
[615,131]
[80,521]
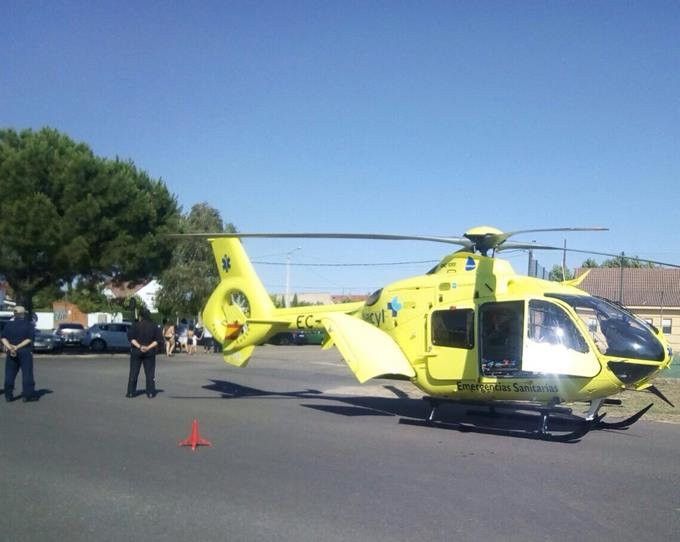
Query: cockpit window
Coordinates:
[615,331]
[550,324]
[373,298]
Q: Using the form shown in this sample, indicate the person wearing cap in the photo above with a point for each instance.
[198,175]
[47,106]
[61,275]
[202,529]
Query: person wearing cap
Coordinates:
[145,339]
[17,338]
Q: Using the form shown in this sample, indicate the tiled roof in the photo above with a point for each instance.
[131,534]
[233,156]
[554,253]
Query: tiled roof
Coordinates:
[122,290]
[634,287]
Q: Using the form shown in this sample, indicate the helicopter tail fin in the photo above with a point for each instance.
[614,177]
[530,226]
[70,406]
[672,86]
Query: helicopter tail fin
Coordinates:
[238,311]
[578,280]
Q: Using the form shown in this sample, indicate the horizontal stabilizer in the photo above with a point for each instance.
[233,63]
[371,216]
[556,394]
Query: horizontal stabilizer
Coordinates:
[239,358]
[369,351]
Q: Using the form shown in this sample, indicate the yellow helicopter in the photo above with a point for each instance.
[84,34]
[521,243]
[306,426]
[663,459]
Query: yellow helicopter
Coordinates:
[469,331]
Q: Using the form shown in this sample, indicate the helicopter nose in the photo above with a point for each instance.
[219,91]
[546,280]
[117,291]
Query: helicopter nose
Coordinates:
[631,373]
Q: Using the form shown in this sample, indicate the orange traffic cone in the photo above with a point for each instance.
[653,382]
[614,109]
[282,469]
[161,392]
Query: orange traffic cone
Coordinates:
[194,438]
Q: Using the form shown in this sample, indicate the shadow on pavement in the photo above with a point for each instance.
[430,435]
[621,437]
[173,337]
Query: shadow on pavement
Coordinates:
[400,405]
[458,417]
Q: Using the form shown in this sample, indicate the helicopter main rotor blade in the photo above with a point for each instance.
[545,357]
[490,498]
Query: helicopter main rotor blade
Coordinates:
[481,239]
[540,230]
[500,240]
[532,246]
[376,236]
[485,238]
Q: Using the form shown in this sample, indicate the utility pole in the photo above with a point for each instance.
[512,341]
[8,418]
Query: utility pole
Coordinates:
[532,270]
[286,297]
[621,280]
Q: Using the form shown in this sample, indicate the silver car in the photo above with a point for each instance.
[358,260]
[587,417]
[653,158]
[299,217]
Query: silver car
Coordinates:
[71,333]
[101,337]
[47,341]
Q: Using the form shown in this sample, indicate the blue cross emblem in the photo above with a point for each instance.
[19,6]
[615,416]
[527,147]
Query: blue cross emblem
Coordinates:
[226,263]
[395,306]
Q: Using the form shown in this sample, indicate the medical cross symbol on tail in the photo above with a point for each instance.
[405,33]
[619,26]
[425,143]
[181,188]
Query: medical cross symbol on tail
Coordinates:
[226,263]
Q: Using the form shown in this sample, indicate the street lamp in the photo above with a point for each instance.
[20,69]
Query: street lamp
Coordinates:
[286,297]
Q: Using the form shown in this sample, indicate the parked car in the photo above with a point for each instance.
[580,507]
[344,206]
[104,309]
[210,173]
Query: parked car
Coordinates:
[100,337]
[71,333]
[315,336]
[287,337]
[47,341]
[298,337]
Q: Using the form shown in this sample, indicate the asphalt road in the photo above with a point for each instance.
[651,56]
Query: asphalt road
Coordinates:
[301,452]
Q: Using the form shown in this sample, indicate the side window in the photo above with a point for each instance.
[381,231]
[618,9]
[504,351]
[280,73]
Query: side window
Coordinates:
[103,327]
[454,328]
[549,324]
[666,326]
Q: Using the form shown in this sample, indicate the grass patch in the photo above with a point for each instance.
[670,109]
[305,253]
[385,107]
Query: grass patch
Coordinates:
[634,401]
[674,370]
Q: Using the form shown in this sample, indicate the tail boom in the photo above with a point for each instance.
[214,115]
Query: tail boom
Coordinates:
[240,315]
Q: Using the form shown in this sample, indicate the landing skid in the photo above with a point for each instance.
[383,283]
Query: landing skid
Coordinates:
[555,423]
[622,424]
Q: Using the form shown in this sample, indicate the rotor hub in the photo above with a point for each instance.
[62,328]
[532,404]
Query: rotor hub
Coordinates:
[485,238]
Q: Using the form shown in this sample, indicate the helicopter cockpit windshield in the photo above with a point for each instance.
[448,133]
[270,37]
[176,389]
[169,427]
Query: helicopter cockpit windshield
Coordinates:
[615,331]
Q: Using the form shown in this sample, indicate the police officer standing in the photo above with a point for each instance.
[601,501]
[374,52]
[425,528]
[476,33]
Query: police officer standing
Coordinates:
[145,339]
[17,338]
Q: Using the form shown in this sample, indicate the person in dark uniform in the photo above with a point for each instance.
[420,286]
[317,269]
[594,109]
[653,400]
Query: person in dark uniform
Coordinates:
[17,338]
[145,339]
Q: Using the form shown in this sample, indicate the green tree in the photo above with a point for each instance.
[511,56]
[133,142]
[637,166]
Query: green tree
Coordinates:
[557,275]
[89,298]
[43,299]
[277,300]
[625,261]
[619,261]
[192,274]
[68,214]
[590,263]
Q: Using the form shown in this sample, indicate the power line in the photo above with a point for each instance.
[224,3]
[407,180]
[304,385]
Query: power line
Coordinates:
[382,264]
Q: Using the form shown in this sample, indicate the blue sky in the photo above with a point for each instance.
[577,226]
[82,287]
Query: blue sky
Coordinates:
[390,117]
